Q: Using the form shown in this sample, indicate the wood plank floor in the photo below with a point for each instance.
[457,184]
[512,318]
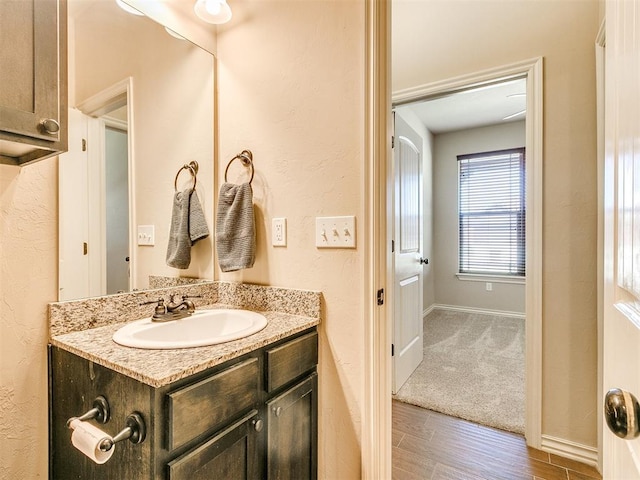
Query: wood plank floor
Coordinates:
[431,446]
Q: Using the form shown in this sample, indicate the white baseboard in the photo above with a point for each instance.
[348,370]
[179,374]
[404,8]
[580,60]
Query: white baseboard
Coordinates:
[429,309]
[568,449]
[484,311]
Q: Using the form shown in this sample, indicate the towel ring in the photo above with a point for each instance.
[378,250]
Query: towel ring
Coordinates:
[246,157]
[193,169]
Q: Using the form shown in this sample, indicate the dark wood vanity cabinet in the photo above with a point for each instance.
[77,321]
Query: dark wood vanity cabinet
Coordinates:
[253,417]
[33,80]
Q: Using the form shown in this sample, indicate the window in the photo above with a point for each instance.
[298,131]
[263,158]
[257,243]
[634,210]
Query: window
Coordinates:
[492,213]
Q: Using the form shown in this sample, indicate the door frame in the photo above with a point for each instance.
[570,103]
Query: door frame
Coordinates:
[107,100]
[532,70]
[600,108]
[376,418]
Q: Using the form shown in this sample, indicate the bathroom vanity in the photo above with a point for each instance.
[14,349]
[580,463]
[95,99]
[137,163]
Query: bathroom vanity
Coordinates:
[245,409]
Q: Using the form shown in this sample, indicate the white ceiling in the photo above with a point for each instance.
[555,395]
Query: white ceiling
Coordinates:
[477,107]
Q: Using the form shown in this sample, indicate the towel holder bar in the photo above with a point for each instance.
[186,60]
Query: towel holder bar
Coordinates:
[193,167]
[246,157]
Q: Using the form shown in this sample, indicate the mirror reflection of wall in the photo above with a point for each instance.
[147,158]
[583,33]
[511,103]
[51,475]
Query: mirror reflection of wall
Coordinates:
[170,100]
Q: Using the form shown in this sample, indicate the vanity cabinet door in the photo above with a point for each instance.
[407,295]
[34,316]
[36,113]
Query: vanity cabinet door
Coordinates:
[292,432]
[33,80]
[230,454]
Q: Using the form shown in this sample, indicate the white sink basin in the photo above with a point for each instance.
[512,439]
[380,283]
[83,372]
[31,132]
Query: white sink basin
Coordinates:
[203,327]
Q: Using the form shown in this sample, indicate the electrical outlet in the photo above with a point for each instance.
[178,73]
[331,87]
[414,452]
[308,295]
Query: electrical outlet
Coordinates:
[489,286]
[336,232]
[279,232]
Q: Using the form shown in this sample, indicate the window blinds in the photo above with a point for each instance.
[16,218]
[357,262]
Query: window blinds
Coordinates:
[492,213]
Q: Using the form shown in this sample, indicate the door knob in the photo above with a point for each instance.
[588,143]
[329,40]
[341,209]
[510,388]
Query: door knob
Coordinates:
[622,413]
[424,261]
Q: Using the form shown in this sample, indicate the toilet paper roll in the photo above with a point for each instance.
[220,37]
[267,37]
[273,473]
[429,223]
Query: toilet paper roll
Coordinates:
[87,438]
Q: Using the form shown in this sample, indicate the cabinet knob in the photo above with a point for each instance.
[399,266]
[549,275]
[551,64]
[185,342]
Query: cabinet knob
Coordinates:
[277,411]
[50,126]
[257,425]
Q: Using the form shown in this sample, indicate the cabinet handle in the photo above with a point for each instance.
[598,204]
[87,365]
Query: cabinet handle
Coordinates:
[277,411]
[257,425]
[50,126]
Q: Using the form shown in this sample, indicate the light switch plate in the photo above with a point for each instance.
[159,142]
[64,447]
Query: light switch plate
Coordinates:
[279,232]
[146,235]
[336,232]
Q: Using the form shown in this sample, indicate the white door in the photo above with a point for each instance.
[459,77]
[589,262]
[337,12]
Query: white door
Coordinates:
[621,341]
[408,231]
[73,227]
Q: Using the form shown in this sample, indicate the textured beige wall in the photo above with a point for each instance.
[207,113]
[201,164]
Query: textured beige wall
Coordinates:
[28,281]
[291,89]
[440,39]
[449,290]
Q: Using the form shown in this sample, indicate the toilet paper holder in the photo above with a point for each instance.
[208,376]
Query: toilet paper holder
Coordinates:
[100,412]
[135,430]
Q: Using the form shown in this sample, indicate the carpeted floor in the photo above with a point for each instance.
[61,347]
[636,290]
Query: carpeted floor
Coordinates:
[472,368]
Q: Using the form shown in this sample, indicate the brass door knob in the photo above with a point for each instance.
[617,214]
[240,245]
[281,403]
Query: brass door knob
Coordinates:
[622,413]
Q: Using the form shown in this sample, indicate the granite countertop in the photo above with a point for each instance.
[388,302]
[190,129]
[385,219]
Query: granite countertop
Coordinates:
[158,368]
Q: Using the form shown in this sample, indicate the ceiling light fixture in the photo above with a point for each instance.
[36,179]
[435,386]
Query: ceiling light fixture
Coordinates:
[128,8]
[513,115]
[213,11]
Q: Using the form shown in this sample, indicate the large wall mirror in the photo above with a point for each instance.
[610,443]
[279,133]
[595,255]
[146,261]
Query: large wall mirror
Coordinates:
[141,102]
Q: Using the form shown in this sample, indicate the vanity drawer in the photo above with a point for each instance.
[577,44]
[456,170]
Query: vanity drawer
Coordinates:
[290,360]
[203,406]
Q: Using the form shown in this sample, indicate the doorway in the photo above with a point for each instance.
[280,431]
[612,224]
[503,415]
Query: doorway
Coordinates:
[471,362]
[531,73]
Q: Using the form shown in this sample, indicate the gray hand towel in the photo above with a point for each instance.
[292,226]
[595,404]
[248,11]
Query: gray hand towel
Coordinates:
[235,227]
[188,225]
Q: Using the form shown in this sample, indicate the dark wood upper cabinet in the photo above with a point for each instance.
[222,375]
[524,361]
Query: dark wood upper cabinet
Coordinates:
[33,80]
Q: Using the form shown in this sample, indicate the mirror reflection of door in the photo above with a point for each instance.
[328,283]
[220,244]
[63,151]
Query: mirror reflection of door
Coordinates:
[94,205]
[117,211]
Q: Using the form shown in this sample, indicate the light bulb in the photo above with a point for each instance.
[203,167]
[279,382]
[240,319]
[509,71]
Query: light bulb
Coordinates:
[213,11]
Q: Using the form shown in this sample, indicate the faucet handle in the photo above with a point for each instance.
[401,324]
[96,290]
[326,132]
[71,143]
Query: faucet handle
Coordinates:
[161,309]
[184,297]
[159,301]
